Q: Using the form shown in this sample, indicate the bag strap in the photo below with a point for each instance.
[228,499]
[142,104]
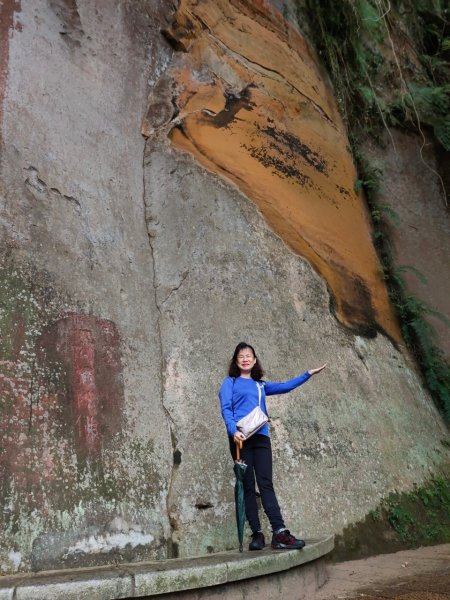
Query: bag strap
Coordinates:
[262,384]
[259,386]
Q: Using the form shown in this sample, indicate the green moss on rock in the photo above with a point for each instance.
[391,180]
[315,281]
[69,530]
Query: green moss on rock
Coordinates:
[404,520]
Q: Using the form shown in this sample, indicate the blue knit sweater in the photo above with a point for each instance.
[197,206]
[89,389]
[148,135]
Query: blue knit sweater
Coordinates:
[241,394]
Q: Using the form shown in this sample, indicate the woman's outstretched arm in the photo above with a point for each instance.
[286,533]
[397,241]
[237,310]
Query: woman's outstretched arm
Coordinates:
[273,387]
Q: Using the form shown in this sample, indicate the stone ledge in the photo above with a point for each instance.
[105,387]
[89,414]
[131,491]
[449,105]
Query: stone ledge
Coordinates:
[136,580]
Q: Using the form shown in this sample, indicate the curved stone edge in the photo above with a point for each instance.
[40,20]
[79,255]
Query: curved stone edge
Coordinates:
[135,580]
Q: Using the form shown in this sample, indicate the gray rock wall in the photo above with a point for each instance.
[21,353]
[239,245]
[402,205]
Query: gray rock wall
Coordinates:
[363,426]
[129,273]
[75,246]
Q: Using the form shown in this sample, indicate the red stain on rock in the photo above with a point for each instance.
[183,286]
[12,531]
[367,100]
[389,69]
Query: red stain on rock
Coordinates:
[61,395]
[28,416]
[7,10]
[88,347]
[84,387]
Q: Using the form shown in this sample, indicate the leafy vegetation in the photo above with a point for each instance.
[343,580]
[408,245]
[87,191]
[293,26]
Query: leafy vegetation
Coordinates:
[431,104]
[375,87]
[417,331]
[421,516]
[410,519]
[421,337]
[381,84]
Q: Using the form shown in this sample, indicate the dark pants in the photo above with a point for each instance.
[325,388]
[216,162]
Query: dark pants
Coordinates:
[257,455]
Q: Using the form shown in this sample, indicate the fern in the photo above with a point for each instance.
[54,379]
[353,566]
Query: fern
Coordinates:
[431,100]
[421,337]
[442,131]
[408,268]
[432,104]
[391,214]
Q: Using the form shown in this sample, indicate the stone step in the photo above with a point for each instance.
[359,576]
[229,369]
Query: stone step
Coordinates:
[289,570]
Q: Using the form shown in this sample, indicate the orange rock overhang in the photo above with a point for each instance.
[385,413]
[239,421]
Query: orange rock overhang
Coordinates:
[254,107]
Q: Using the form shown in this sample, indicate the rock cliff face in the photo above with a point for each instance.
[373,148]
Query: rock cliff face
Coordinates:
[131,267]
[421,237]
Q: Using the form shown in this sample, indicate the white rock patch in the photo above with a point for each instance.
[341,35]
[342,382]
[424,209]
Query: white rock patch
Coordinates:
[102,544]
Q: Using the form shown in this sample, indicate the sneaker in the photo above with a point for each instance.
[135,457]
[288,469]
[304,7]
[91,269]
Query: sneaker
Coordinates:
[284,540]
[257,542]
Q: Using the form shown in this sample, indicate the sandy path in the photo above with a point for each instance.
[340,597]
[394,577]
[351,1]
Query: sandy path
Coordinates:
[421,574]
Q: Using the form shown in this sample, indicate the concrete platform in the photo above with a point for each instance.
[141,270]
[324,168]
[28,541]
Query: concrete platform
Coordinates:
[230,574]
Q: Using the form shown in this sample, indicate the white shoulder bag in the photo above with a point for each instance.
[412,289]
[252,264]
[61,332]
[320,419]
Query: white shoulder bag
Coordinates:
[255,419]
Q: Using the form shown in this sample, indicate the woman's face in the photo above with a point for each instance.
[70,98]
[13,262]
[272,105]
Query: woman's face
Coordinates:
[245,360]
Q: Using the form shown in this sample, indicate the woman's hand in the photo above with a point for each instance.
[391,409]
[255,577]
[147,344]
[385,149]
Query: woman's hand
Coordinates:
[314,371]
[239,436]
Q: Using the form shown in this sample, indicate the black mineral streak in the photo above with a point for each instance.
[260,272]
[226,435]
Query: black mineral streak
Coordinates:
[283,152]
[233,104]
[342,190]
[281,167]
[296,148]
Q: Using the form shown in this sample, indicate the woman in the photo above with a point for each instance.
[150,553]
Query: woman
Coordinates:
[239,395]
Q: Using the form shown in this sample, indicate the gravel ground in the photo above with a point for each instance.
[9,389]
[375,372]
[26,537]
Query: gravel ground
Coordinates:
[421,574]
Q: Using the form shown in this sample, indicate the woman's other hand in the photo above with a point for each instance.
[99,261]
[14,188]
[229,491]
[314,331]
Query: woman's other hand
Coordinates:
[239,436]
[314,371]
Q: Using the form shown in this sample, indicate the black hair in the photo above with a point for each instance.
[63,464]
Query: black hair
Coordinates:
[257,372]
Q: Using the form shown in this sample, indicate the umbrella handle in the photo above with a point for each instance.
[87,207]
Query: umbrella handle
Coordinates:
[238,449]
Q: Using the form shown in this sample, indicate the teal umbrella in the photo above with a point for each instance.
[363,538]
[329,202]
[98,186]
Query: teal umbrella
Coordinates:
[239,470]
